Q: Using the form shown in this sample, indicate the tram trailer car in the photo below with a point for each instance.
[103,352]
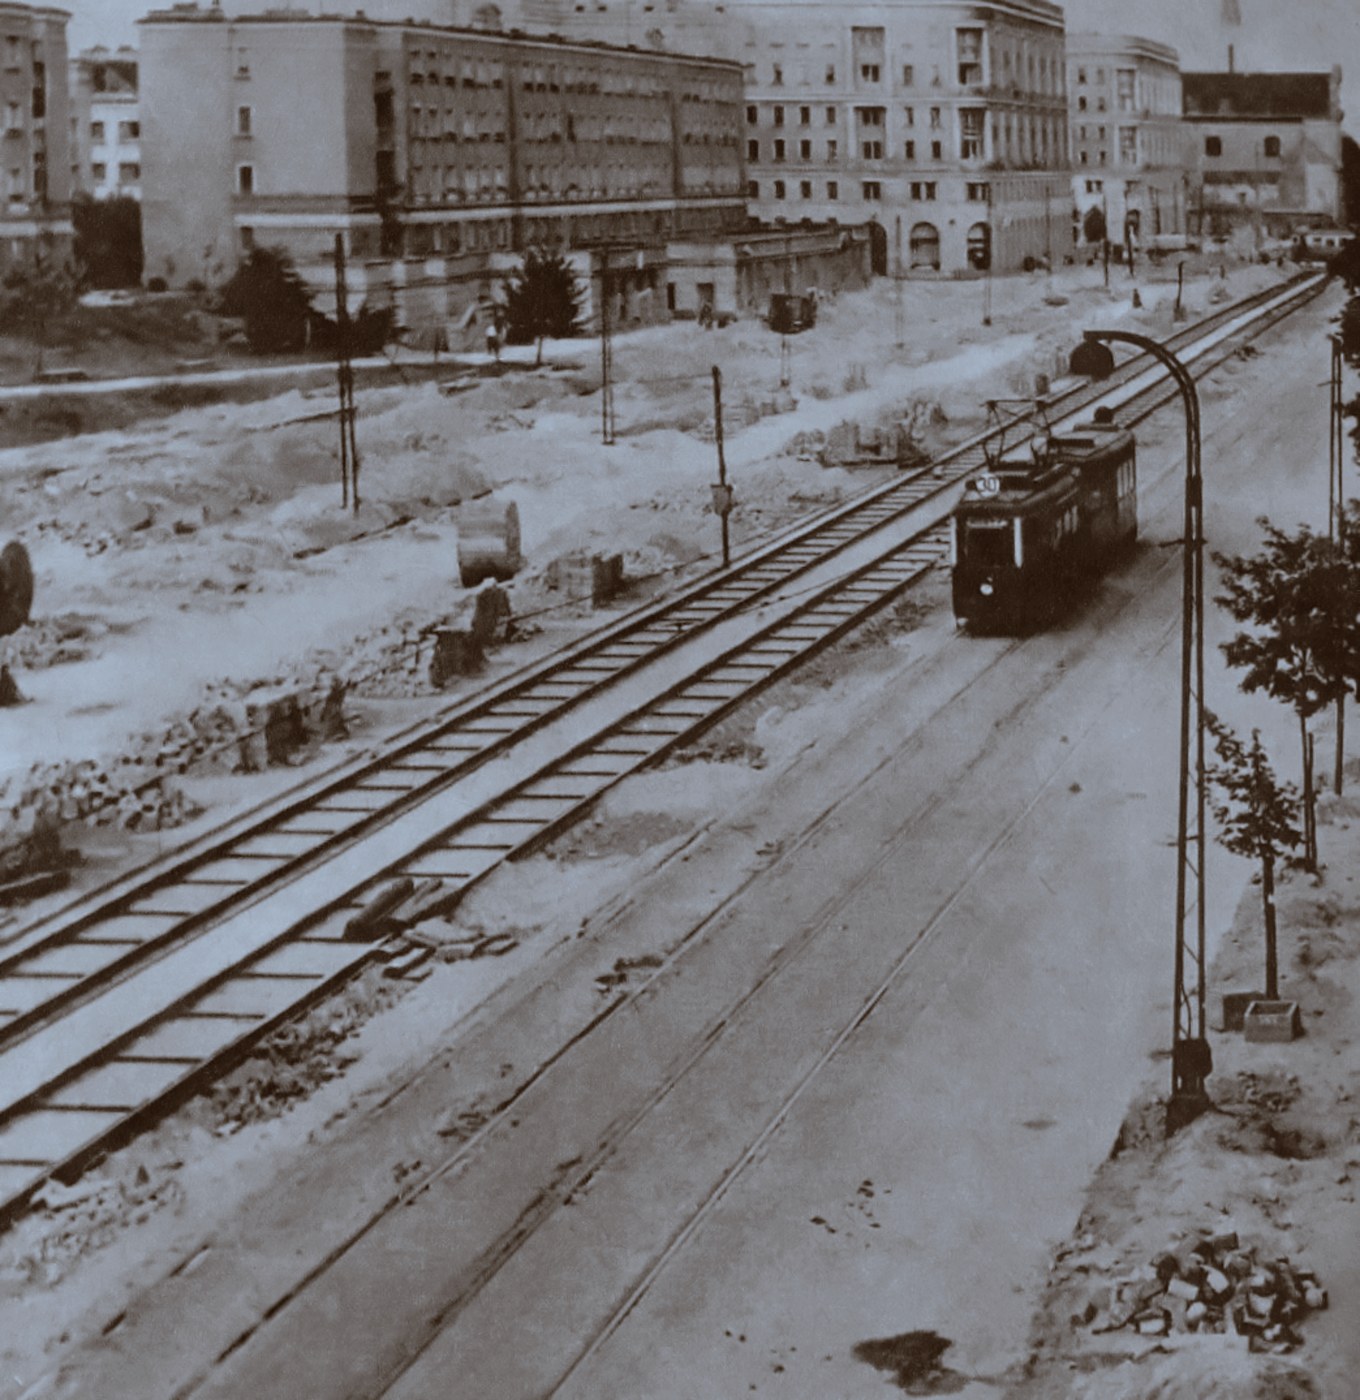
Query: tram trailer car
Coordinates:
[1034,530]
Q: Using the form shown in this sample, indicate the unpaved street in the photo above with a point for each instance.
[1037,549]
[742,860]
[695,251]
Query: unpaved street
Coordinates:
[882,1019]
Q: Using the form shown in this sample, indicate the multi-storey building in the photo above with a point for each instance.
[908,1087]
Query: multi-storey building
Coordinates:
[1128,144]
[944,118]
[105,123]
[437,153]
[35,163]
[1266,152]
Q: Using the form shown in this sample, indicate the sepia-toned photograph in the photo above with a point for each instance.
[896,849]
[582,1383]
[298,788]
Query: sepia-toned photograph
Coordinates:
[673,695]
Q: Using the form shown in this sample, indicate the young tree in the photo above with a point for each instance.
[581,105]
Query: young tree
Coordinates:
[276,305]
[1256,819]
[108,239]
[542,298]
[1299,595]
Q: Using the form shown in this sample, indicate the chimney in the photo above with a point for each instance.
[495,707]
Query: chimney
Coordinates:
[1230,59]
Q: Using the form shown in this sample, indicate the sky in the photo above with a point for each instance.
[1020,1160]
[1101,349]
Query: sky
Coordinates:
[1274,34]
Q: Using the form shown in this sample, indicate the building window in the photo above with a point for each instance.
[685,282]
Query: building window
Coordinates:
[970,56]
[805,189]
[129,131]
[129,173]
[908,75]
[1272,146]
[872,189]
[805,150]
[245,179]
[1102,158]
[1126,89]
[99,171]
[1081,76]
[923,189]
[805,116]
[831,116]
[936,150]
[779,150]
[830,73]
[1081,104]
[872,150]
[935,119]
[777,80]
[243,121]
[869,72]
[752,189]
[833,190]
[752,114]
[1101,105]
[96,131]
[753,150]
[1128,145]
[870,116]
[779,189]
[779,116]
[979,194]
[910,150]
[971,120]
[1213,146]
[1085,158]
[832,147]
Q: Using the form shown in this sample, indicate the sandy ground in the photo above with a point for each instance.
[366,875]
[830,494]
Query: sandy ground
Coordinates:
[127,1244]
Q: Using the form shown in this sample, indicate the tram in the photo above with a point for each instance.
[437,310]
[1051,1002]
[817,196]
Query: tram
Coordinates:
[1035,529]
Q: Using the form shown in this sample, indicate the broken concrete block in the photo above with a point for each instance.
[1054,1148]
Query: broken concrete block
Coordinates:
[1196,1313]
[1218,1283]
[1183,1288]
[1269,1022]
[456,653]
[1154,1326]
[1316,1299]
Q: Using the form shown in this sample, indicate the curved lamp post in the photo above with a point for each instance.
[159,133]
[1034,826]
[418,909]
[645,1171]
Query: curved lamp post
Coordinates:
[1191,1060]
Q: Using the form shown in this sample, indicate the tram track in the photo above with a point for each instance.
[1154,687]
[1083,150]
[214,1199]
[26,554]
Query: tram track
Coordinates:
[119,1010]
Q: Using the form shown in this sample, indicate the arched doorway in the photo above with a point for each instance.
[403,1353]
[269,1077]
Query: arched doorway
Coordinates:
[925,246]
[878,249]
[980,247]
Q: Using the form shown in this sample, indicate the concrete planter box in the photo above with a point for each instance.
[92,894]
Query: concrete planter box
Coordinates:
[1235,1008]
[1268,1021]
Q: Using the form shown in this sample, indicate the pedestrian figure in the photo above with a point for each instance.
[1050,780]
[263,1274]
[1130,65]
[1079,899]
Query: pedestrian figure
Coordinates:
[705,316]
[493,341]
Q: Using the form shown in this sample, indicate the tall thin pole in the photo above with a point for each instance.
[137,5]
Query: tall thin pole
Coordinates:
[1336,521]
[607,424]
[1191,1058]
[722,497]
[991,258]
[349,452]
[899,311]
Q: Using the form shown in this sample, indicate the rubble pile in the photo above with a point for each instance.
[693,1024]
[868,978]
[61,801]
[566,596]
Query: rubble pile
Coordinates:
[1213,1284]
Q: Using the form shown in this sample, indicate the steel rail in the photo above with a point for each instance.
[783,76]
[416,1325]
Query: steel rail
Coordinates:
[218,1003]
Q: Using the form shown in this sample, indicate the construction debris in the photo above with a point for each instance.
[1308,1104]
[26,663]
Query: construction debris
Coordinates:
[1214,1284]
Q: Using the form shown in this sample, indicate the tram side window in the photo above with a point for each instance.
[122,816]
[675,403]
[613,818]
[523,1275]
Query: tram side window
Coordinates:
[989,543]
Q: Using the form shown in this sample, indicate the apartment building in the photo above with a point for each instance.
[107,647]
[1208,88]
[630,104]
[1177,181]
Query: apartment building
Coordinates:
[105,123]
[35,163]
[1127,139]
[1265,150]
[438,153]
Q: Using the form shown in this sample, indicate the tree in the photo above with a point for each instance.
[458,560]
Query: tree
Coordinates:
[275,303]
[542,297]
[108,240]
[35,293]
[1300,596]
[1093,225]
[1256,819]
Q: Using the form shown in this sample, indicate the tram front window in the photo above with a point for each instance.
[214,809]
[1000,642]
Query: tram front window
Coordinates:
[988,544]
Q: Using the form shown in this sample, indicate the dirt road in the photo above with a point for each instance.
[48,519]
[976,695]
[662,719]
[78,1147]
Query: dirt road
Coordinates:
[868,1033]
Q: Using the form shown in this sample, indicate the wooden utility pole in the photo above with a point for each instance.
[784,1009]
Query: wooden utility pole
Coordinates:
[899,312]
[349,447]
[722,492]
[1336,520]
[607,422]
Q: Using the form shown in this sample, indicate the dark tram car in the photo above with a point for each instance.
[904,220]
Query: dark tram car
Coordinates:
[1035,528]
